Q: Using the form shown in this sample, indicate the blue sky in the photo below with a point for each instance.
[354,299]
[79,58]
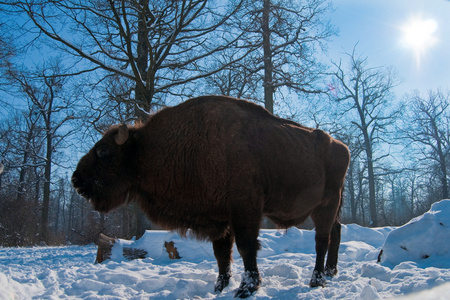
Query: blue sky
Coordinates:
[377,26]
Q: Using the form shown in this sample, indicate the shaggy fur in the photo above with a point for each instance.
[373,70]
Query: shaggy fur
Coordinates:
[217,165]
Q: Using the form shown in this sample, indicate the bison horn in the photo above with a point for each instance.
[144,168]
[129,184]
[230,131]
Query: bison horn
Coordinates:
[122,135]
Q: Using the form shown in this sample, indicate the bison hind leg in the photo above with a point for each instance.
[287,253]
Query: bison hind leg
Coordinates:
[330,271]
[328,238]
[333,250]
[318,278]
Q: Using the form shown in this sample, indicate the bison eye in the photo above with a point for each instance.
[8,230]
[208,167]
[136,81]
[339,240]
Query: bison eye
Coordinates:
[102,151]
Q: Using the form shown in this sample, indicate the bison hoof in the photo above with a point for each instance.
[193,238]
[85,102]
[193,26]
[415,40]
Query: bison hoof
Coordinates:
[317,279]
[330,271]
[249,284]
[222,282]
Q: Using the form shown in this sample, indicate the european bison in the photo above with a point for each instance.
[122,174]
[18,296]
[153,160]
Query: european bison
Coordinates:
[217,165]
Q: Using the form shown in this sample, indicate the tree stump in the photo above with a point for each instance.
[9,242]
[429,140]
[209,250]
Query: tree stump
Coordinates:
[105,244]
[172,250]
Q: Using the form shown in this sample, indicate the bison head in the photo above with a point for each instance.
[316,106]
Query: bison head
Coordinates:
[106,175]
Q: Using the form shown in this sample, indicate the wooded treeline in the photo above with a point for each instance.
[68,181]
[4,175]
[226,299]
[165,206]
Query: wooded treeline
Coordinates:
[72,68]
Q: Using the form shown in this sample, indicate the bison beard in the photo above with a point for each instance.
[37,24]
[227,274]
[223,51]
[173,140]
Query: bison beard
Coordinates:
[217,165]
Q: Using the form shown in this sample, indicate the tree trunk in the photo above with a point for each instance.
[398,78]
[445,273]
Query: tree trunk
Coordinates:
[360,194]
[57,217]
[126,222]
[443,163]
[372,198]
[444,182]
[21,188]
[63,226]
[351,192]
[46,196]
[143,93]
[370,169]
[144,89]
[22,183]
[140,221]
[70,221]
[268,67]
[369,156]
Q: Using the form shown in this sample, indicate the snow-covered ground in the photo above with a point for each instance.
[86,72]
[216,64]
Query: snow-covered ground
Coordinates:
[415,265]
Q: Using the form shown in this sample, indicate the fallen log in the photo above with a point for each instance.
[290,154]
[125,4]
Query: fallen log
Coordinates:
[105,245]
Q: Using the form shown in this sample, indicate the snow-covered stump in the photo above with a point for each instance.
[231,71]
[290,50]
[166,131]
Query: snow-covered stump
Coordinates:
[106,244]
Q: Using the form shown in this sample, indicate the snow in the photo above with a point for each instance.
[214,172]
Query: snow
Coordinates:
[286,261]
[424,240]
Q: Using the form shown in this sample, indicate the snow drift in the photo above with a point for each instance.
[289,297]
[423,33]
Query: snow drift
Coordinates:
[424,240]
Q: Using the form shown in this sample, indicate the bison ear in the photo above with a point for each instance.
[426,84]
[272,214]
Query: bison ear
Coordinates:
[122,135]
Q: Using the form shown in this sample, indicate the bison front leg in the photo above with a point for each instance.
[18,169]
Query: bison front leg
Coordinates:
[222,252]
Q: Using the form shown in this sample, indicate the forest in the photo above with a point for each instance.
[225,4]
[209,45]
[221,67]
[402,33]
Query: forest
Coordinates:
[71,68]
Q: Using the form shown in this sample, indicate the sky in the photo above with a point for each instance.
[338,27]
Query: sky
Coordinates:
[386,35]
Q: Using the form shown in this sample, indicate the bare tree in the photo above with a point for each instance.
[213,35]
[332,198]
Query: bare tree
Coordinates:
[159,45]
[43,90]
[427,129]
[7,52]
[365,100]
[237,80]
[18,213]
[284,37]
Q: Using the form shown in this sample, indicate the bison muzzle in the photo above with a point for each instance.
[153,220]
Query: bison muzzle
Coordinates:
[217,165]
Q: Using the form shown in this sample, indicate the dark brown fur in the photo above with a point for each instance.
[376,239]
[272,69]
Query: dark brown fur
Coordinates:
[217,165]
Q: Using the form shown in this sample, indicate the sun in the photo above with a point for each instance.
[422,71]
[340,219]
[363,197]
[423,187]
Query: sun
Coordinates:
[418,35]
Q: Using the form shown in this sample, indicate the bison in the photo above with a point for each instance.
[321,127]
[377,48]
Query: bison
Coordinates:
[218,165]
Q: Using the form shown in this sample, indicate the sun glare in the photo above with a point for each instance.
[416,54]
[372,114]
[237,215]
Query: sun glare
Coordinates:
[418,35]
